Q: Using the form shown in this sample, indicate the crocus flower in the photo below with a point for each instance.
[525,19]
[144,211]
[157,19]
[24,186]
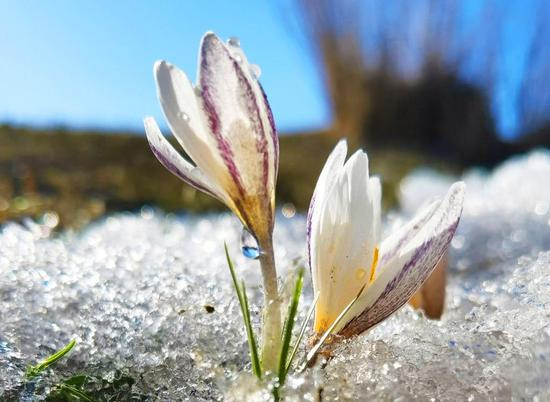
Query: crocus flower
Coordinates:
[347,253]
[225,126]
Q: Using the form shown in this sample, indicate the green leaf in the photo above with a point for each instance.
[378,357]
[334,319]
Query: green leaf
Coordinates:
[254,355]
[288,327]
[316,348]
[75,392]
[243,301]
[302,332]
[33,371]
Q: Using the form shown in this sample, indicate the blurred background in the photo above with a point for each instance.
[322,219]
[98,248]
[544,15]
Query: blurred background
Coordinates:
[448,84]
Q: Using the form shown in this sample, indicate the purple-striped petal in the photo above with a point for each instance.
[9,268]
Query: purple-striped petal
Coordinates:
[397,240]
[404,274]
[273,128]
[237,118]
[175,163]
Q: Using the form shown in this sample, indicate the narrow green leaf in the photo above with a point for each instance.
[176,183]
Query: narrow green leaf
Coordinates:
[33,371]
[289,325]
[316,348]
[75,392]
[243,301]
[302,332]
[254,355]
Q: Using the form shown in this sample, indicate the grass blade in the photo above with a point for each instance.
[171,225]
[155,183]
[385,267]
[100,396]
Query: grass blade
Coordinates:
[75,392]
[33,371]
[254,355]
[288,327]
[316,348]
[243,301]
[302,332]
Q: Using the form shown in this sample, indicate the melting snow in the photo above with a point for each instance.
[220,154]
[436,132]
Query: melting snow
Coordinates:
[149,296]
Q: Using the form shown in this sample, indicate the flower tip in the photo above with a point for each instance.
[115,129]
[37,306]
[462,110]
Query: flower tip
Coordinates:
[342,143]
[341,148]
[375,180]
[455,197]
[360,156]
[152,130]
[148,121]
[159,66]
[208,34]
[209,38]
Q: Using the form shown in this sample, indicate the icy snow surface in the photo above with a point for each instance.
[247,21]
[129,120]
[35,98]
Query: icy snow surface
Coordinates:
[137,292]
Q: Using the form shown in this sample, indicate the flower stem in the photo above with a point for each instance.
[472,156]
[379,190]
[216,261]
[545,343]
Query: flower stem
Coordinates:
[271,332]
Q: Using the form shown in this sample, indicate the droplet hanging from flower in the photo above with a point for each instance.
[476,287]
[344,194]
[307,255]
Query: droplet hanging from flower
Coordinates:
[249,245]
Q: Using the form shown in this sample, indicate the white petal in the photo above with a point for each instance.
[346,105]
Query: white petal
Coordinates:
[334,163]
[406,272]
[351,233]
[318,218]
[179,104]
[177,164]
[375,196]
[355,246]
[343,235]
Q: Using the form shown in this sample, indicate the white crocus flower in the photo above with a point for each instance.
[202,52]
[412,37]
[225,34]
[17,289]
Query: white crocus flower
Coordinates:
[226,128]
[225,125]
[347,254]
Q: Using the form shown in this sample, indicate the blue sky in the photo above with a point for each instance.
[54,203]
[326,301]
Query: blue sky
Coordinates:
[89,63]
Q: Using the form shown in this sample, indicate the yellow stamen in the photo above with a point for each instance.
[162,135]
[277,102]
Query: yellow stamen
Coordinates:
[374,264]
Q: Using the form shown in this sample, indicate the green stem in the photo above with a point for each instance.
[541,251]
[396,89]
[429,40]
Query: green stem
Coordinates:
[271,328]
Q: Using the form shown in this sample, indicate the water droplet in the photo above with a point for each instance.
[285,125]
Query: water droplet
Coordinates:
[255,71]
[234,41]
[249,245]
[184,116]
[288,210]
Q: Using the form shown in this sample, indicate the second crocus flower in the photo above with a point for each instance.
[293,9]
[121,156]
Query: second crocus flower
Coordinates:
[348,257]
